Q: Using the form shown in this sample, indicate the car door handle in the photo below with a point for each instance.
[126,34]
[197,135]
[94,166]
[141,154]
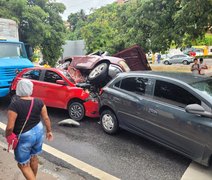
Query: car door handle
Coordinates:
[152,111]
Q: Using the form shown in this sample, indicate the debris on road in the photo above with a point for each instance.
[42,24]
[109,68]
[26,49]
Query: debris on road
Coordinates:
[68,122]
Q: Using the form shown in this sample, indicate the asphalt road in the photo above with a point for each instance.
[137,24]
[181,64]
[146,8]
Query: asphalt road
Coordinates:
[125,155]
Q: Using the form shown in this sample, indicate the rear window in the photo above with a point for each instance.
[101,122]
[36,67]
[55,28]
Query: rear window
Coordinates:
[134,84]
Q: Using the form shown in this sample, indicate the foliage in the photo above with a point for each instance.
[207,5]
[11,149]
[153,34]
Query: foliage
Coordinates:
[40,24]
[76,21]
[205,40]
[155,25]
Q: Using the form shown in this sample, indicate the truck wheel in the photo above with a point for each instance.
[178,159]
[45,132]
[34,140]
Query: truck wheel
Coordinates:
[98,74]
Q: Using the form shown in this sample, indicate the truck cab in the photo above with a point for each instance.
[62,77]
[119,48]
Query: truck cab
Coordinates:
[13,59]
[13,56]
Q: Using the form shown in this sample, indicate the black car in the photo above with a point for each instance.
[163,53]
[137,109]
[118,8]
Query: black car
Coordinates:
[172,109]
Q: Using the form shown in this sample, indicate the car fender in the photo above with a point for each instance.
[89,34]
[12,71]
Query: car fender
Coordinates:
[76,93]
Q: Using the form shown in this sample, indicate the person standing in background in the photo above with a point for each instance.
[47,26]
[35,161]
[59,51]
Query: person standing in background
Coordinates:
[158,58]
[203,66]
[195,68]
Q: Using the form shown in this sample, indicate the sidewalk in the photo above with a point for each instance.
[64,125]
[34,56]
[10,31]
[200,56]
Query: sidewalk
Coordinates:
[47,170]
[10,171]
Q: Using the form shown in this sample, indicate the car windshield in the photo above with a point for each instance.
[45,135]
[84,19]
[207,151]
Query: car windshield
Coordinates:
[204,87]
[67,75]
[8,50]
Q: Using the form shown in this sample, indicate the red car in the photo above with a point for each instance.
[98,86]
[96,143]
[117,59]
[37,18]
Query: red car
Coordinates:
[57,89]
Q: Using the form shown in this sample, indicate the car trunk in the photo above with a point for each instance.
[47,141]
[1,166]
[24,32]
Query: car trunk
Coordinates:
[135,58]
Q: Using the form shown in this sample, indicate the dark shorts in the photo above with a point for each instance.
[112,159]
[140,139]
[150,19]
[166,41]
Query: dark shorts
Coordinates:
[30,144]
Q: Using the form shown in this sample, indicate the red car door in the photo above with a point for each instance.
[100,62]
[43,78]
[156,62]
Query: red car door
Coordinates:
[34,75]
[54,95]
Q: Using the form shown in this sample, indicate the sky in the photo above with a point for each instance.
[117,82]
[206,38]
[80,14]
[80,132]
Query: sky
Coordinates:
[73,6]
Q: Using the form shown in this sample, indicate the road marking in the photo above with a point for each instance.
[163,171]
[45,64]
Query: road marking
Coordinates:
[197,172]
[95,172]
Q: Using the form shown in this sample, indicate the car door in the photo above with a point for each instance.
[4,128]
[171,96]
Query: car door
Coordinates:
[131,101]
[54,95]
[175,59]
[35,76]
[175,127]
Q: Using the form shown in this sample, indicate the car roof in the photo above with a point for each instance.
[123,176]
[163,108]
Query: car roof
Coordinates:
[188,78]
[44,68]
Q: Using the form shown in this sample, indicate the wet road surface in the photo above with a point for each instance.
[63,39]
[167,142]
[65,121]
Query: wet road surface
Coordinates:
[125,155]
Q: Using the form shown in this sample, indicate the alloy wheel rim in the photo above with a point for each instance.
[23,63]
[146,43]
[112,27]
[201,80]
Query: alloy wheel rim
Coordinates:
[108,122]
[76,111]
[97,71]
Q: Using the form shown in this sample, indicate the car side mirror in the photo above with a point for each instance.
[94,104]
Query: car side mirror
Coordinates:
[198,110]
[61,82]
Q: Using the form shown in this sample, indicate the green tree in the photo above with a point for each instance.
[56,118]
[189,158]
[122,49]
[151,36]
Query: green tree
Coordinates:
[154,24]
[40,24]
[76,21]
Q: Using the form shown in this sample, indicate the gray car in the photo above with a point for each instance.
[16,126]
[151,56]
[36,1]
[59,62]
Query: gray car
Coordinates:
[178,59]
[172,109]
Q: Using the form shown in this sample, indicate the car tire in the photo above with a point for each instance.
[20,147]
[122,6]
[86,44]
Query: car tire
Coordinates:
[109,122]
[185,62]
[99,73]
[166,62]
[76,110]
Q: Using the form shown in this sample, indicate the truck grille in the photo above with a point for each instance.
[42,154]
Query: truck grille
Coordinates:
[9,73]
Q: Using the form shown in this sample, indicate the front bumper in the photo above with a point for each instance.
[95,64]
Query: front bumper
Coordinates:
[91,108]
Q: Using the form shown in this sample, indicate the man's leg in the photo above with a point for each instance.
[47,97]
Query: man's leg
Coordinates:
[27,171]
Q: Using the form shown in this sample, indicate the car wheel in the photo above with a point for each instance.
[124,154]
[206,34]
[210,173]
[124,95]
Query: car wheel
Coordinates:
[76,110]
[98,73]
[166,62]
[109,122]
[185,62]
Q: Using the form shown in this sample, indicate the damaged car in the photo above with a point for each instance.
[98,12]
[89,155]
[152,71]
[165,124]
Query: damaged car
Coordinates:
[57,89]
[99,68]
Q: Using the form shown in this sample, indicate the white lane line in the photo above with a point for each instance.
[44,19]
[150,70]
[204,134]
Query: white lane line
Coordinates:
[2,126]
[197,172]
[75,162]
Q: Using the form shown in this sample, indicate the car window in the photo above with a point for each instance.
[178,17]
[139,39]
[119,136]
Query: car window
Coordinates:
[173,57]
[117,84]
[182,56]
[32,74]
[134,84]
[173,94]
[51,77]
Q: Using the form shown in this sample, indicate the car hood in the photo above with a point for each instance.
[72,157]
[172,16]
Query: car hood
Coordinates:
[135,58]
